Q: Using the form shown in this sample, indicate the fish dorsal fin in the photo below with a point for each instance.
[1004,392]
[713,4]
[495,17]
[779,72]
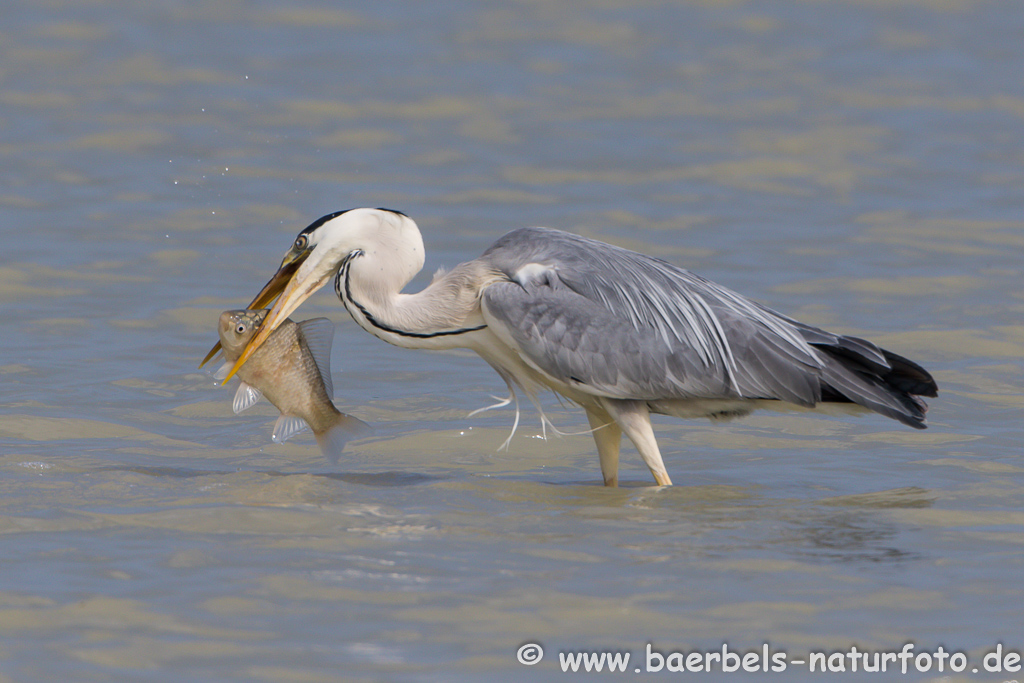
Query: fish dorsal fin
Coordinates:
[223,371]
[319,335]
[246,397]
[288,426]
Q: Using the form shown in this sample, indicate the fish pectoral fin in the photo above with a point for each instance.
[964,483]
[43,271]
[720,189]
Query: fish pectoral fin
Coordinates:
[222,371]
[288,426]
[246,397]
[318,334]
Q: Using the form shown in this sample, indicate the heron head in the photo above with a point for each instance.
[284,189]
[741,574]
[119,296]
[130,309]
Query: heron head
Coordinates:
[317,254]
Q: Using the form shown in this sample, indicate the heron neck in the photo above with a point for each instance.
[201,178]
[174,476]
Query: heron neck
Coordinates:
[437,317]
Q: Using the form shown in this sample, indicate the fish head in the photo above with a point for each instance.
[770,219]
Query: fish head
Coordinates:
[318,254]
[237,328]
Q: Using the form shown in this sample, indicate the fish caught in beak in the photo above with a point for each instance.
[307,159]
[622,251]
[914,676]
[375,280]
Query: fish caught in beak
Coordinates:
[295,281]
[279,283]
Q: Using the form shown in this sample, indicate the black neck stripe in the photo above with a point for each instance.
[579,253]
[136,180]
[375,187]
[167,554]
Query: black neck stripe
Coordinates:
[343,276]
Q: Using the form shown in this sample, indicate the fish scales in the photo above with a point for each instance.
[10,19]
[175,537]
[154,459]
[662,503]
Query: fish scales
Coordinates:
[290,379]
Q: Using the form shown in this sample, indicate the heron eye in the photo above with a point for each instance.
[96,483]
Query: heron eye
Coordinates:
[240,329]
[301,241]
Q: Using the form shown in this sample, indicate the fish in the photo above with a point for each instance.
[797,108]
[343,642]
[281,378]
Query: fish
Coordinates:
[293,371]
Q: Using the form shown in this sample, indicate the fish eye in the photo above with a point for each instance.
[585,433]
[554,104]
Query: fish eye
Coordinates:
[301,241]
[240,329]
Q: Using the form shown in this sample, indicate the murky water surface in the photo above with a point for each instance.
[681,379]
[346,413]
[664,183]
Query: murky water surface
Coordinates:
[853,164]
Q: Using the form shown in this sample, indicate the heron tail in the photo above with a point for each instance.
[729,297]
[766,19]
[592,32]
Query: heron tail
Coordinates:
[853,373]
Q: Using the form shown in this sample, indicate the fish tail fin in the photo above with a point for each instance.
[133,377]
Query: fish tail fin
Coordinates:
[345,428]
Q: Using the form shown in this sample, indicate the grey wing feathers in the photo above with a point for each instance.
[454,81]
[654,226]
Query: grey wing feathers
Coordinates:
[627,325]
[666,332]
[579,341]
[646,292]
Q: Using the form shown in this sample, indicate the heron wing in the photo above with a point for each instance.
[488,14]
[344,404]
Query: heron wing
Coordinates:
[576,341]
[625,325]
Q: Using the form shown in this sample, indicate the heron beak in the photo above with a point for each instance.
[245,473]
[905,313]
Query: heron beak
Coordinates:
[277,284]
[294,288]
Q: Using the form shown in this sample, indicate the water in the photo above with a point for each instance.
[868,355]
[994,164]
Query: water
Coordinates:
[852,164]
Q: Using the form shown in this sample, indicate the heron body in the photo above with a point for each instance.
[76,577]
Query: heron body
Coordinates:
[620,333]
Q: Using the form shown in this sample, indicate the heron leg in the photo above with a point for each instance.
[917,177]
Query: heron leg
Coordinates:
[634,419]
[607,435]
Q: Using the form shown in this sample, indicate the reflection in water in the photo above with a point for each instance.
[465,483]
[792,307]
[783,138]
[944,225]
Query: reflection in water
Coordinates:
[854,538]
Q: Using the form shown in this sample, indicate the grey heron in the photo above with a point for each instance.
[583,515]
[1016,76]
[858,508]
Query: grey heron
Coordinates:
[619,333]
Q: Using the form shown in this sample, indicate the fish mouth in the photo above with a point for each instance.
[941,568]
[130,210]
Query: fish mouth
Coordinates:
[277,284]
